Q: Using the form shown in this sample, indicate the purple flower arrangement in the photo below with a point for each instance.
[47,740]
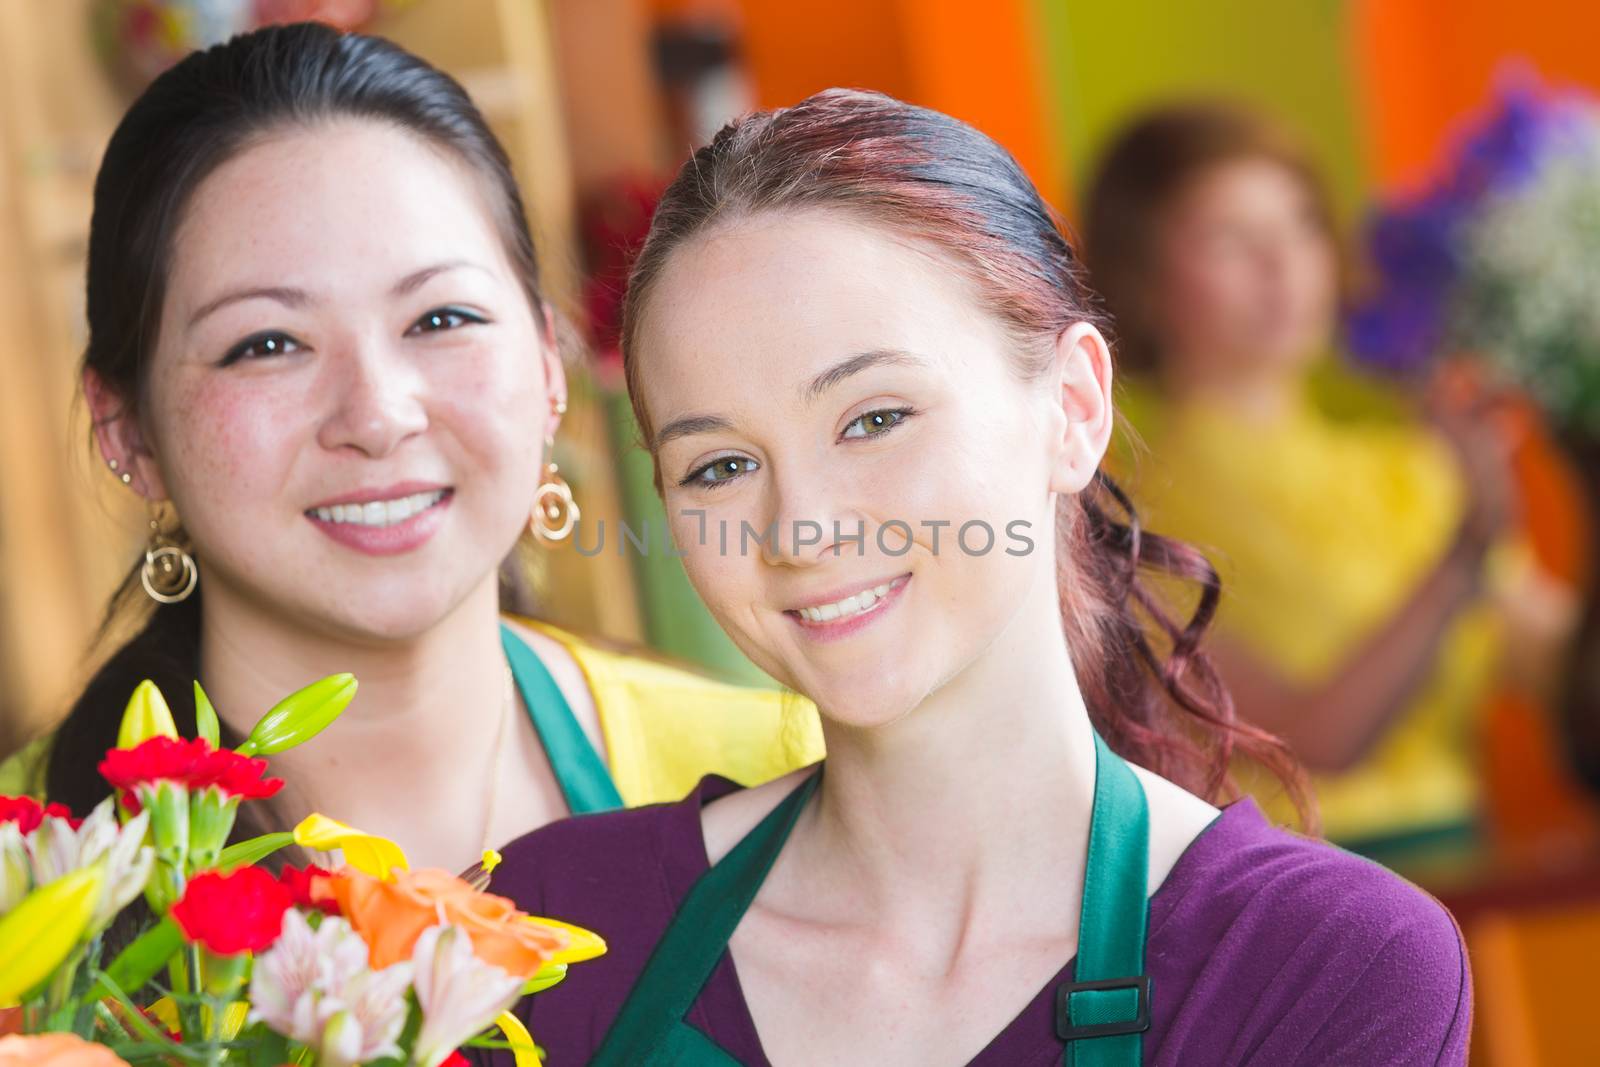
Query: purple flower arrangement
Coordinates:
[1499,255]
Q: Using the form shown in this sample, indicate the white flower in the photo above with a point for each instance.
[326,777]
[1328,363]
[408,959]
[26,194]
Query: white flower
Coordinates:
[369,1022]
[16,872]
[57,849]
[314,987]
[459,993]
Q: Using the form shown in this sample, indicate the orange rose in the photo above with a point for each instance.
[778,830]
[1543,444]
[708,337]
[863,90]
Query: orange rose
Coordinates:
[55,1050]
[391,915]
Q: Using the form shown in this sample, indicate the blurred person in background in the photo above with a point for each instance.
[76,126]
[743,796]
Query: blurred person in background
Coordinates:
[319,348]
[1359,623]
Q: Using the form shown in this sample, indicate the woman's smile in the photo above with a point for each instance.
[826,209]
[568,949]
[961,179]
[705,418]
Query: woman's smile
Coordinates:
[845,612]
[384,521]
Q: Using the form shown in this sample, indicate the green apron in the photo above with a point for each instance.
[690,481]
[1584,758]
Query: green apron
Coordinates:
[579,770]
[1101,1015]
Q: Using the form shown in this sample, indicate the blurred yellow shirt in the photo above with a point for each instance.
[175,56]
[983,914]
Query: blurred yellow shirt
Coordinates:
[665,726]
[1321,530]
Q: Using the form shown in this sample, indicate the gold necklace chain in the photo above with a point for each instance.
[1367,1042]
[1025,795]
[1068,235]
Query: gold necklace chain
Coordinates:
[496,758]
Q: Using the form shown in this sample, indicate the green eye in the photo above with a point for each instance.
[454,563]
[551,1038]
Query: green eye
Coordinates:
[874,423]
[724,469]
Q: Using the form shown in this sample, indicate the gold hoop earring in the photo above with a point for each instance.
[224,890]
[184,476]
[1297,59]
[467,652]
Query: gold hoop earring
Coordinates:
[169,574]
[555,512]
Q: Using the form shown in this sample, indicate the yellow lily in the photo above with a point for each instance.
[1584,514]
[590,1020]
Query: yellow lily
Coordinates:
[367,853]
[166,1013]
[146,716]
[40,933]
[581,944]
[525,1052]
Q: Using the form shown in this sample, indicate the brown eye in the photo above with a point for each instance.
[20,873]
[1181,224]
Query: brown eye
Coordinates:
[260,346]
[443,319]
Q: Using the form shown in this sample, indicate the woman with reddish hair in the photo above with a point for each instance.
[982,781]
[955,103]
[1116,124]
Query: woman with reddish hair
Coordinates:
[863,357]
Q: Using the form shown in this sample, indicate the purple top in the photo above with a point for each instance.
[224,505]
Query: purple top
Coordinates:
[1264,948]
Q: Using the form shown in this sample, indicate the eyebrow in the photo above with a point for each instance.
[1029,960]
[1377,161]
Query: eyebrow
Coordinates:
[811,391]
[851,365]
[688,426]
[298,298]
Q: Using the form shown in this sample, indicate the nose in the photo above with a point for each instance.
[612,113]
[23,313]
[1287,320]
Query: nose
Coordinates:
[807,521]
[375,397]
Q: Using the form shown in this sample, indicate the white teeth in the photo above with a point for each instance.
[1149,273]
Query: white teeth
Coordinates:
[380,512]
[850,605]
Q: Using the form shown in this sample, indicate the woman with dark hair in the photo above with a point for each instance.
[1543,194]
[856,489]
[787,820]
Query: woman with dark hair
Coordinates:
[860,345]
[1356,545]
[318,346]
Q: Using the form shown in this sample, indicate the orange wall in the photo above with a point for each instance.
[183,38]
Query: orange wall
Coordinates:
[979,62]
[1424,63]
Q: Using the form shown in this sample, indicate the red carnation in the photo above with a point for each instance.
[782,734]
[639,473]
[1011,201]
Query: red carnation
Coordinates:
[456,1059]
[309,888]
[27,813]
[194,764]
[233,913]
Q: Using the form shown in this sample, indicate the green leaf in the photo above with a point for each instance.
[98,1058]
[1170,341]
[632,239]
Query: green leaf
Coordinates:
[140,961]
[205,718]
[300,716]
[254,850]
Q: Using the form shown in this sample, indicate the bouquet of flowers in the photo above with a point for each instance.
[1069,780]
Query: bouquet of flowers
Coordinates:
[367,963]
[1500,255]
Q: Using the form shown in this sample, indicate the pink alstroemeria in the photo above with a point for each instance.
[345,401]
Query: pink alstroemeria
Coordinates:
[62,845]
[314,987]
[459,994]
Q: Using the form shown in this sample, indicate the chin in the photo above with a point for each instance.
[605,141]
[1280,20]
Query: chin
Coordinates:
[864,700]
[402,612]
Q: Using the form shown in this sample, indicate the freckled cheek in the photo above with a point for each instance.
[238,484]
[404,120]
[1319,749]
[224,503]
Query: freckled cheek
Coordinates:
[494,403]
[221,444]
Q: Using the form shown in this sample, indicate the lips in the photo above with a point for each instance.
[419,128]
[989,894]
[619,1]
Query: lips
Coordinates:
[380,512]
[858,602]
[384,522]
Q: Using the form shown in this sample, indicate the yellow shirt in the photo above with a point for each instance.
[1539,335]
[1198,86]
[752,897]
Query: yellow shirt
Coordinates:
[1321,529]
[665,727]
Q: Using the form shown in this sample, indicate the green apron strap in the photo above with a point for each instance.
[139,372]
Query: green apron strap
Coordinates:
[1100,1015]
[697,939]
[1103,1013]
[579,770]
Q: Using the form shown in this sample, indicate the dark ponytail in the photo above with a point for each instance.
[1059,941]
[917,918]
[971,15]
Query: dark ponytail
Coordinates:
[192,119]
[1150,690]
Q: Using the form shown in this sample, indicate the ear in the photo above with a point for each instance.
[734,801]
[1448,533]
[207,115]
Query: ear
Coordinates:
[121,438]
[1080,377]
[555,375]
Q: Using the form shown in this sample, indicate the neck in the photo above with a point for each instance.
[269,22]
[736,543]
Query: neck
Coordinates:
[947,804]
[424,706]
[1258,392]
